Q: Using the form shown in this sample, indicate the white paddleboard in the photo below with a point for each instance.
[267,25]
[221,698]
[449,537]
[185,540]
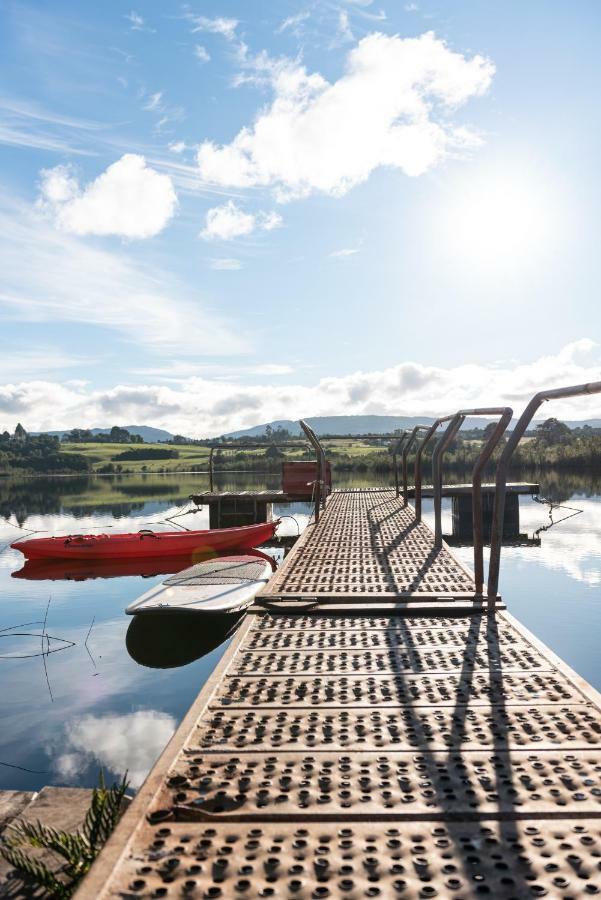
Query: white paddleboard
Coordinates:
[225,584]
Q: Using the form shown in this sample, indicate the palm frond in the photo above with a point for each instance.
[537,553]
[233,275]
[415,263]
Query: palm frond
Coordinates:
[35,871]
[78,849]
[69,846]
[104,812]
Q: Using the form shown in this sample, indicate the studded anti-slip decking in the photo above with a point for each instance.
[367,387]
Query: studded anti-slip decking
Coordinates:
[350,755]
[368,544]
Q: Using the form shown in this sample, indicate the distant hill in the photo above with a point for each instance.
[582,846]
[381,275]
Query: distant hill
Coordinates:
[146,432]
[372,424]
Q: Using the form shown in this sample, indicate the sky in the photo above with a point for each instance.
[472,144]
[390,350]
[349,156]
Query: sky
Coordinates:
[217,214]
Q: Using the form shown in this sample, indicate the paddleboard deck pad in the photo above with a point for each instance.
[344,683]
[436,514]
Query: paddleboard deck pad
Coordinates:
[228,584]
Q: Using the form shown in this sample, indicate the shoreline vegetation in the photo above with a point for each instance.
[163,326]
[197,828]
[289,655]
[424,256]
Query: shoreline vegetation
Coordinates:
[552,445]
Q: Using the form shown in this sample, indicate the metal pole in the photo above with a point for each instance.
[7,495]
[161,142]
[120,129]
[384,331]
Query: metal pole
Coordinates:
[321,467]
[417,475]
[450,432]
[211,469]
[496,537]
[477,519]
[406,450]
[395,451]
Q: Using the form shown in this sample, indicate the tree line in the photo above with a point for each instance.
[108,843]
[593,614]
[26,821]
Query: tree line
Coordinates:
[39,453]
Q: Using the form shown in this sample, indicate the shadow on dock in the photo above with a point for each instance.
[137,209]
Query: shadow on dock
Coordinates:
[441,778]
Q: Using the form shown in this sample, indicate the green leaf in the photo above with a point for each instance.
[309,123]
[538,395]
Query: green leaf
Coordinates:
[79,849]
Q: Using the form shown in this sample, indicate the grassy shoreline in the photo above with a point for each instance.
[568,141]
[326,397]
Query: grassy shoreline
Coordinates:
[354,456]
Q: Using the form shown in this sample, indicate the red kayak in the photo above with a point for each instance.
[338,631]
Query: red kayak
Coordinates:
[147,543]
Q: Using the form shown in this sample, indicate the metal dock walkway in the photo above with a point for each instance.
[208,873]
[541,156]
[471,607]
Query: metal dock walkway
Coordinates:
[375,729]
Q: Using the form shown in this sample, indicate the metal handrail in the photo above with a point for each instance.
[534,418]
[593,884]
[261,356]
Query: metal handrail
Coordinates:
[321,488]
[406,450]
[505,413]
[396,448]
[496,536]
[451,430]
[417,477]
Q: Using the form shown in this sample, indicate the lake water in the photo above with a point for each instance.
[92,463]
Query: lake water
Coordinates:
[111,692]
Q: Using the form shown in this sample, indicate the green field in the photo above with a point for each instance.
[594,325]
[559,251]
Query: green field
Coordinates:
[193,457]
[100,455]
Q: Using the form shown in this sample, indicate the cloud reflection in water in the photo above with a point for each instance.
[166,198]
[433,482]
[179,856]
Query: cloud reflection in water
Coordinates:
[121,743]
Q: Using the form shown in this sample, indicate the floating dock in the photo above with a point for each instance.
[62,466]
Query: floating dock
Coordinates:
[375,729]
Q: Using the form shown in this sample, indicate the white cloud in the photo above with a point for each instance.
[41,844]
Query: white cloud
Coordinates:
[154,101]
[25,124]
[269,221]
[177,146]
[272,369]
[129,199]
[390,108]
[344,252]
[202,406]
[291,23]
[201,53]
[122,743]
[345,32]
[136,21]
[220,25]
[225,265]
[50,276]
[229,221]
[36,361]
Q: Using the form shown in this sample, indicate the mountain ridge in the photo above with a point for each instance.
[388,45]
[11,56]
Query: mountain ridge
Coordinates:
[366,424]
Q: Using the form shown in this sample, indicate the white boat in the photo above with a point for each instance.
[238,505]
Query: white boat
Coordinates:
[225,584]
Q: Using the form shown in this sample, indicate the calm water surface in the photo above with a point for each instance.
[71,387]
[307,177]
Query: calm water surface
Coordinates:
[111,692]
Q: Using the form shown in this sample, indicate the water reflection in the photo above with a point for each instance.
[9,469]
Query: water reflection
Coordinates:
[82,570]
[15,643]
[120,743]
[167,642]
[119,707]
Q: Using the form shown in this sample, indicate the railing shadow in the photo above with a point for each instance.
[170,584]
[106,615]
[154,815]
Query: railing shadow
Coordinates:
[452,811]
[382,549]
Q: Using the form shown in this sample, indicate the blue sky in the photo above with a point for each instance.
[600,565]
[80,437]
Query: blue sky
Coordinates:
[216,214]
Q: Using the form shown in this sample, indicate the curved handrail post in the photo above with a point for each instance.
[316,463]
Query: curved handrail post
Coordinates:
[406,449]
[417,475]
[496,537]
[477,518]
[448,435]
[211,469]
[321,489]
[396,447]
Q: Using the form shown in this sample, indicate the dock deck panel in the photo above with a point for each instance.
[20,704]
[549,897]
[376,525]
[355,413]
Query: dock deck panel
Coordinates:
[352,755]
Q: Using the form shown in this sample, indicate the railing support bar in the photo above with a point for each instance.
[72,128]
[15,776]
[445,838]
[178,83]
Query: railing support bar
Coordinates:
[406,449]
[211,469]
[396,448]
[320,484]
[477,518]
[448,435]
[417,476]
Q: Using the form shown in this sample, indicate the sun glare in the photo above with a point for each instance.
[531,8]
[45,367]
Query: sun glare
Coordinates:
[498,221]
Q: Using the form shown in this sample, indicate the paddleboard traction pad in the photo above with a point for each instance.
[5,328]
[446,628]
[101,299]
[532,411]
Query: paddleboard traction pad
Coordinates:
[218,573]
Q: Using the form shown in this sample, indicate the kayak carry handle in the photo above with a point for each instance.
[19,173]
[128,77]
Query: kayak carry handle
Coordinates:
[146,532]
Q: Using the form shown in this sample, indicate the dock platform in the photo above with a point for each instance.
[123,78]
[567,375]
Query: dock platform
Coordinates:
[375,729]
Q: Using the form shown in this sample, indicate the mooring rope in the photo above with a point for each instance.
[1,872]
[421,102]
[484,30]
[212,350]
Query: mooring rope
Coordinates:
[552,506]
